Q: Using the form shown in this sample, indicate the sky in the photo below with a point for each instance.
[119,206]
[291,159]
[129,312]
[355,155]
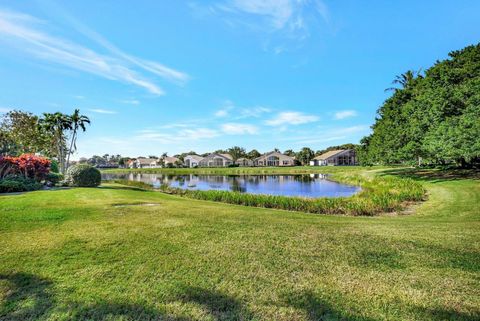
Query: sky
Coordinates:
[177,76]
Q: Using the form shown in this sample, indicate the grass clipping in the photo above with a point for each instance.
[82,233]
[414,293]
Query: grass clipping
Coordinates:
[380,194]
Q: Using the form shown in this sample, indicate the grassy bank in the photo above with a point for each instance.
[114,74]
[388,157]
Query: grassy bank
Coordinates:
[118,253]
[378,195]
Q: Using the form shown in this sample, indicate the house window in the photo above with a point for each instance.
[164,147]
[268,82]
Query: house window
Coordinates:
[273,161]
[286,162]
[217,162]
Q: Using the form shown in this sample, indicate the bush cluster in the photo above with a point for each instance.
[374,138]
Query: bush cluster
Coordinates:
[83,175]
[12,184]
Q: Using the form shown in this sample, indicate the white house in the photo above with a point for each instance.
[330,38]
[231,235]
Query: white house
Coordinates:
[143,163]
[274,159]
[341,157]
[216,160]
[168,161]
[192,160]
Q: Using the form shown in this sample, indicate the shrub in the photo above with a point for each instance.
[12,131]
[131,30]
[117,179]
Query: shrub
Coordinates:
[83,175]
[54,166]
[27,165]
[11,184]
[54,178]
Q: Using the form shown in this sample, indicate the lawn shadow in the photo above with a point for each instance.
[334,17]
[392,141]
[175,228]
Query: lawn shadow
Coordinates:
[220,306]
[119,311]
[29,297]
[319,309]
[433,175]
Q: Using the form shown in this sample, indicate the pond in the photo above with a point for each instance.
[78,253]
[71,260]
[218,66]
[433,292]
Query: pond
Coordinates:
[311,185]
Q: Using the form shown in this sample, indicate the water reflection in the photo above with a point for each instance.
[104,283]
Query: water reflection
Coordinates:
[312,185]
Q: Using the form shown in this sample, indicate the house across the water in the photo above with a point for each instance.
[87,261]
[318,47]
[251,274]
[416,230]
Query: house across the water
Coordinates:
[341,157]
[142,162]
[216,160]
[192,160]
[244,162]
[274,159]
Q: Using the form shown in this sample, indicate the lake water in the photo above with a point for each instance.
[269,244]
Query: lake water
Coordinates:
[312,185]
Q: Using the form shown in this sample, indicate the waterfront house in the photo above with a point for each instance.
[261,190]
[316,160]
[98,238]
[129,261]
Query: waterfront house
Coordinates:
[143,162]
[340,157]
[192,160]
[216,160]
[244,162]
[274,159]
[168,161]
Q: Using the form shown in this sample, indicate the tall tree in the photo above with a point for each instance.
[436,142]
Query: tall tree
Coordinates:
[20,133]
[57,124]
[77,122]
[236,152]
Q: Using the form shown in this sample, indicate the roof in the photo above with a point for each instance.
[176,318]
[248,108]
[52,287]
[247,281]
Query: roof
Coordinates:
[170,159]
[329,154]
[146,160]
[243,159]
[195,157]
[227,156]
[273,153]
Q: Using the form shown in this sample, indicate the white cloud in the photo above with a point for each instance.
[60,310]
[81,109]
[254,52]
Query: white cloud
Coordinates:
[130,101]
[23,33]
[4,110]
[278,12]
[253,112]
[239,129]
[345,114]
[291,118]
[225,110]
[102,111]
[175,136]
[221,113]
[290,18]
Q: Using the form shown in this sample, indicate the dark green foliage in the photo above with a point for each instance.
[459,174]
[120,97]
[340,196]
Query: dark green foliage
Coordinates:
[433,118]
[11,184]
[83,176]
[54,178]
[305,155]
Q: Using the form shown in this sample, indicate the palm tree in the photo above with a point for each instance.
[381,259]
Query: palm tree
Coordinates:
[56,124]
[77,122]
[236,152]
[405,79]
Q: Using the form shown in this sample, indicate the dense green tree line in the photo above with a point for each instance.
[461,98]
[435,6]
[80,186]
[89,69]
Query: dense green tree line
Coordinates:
[432,117]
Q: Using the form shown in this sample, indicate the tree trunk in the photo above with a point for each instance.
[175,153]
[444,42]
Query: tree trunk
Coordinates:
[71,146]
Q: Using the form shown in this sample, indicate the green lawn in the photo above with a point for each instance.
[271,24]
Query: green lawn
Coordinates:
[116,253]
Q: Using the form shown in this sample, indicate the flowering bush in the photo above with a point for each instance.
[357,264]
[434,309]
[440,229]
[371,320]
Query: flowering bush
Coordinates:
[26,165]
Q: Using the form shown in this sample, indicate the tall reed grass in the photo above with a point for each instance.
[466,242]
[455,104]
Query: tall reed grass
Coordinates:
[378,195]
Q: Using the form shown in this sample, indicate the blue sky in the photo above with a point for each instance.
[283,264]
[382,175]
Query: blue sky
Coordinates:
[173,76]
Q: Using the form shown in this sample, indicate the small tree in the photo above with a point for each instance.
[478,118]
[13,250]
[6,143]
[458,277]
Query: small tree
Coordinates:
[253,154]
[236,152]
[305,155]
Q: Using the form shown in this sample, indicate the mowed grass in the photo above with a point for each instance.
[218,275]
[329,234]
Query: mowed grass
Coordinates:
[117,253]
